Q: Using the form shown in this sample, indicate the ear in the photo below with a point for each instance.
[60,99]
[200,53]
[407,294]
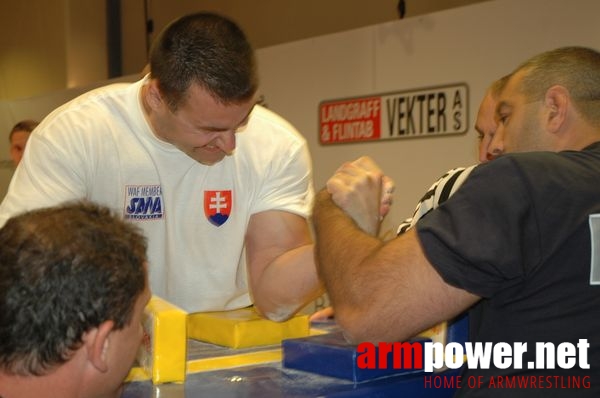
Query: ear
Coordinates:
[153,96]
[97,343]
[557,102]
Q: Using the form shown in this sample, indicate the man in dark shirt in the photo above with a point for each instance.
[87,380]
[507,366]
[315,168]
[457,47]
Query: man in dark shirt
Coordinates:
[518,243]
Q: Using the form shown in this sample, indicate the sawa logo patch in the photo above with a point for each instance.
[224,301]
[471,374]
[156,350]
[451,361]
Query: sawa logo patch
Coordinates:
[143,202]
[217,206]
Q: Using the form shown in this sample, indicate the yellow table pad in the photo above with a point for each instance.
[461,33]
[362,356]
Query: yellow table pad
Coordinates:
[437,333]
[234,361]
[163,353]
[244,328]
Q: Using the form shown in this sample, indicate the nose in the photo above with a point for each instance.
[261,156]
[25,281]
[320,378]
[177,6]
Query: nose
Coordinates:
[226,141]
[483,148]
[496,146]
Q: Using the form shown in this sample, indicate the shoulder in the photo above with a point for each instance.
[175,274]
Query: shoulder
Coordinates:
[109,94]
[94,110]
[508,179]
[272,126]
[522,166]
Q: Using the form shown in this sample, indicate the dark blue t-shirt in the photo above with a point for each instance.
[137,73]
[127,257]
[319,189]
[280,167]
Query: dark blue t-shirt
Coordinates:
[518,234]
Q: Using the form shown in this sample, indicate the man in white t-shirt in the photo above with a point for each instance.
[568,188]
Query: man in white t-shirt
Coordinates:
[221,187]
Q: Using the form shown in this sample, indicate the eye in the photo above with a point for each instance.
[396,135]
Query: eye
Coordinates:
[502,118]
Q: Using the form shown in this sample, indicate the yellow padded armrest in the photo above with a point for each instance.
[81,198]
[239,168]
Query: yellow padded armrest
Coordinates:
[244,328]
[163,354]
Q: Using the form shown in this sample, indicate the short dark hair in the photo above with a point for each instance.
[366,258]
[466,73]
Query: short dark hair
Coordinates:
[575,68]
[63,271]
[23,125]
[205,49]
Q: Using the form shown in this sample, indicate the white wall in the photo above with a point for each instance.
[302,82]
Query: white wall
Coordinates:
[474,44]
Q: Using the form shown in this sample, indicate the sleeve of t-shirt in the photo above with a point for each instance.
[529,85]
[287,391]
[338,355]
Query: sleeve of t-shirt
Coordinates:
[289,185]
[485,238]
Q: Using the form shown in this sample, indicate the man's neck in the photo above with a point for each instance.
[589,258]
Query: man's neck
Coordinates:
[12,386]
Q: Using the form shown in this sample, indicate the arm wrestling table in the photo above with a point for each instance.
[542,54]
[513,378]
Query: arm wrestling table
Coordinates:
[216,371]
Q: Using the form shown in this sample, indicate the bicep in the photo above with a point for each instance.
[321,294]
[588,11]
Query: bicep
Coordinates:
[271,234]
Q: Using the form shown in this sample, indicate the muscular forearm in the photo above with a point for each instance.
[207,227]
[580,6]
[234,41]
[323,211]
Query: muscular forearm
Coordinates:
[287,284]
[380,291]
[341,249]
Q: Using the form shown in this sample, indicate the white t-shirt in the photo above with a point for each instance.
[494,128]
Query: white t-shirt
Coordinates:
[100,147]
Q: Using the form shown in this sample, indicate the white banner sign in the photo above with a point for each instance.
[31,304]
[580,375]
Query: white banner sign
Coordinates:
[426,112]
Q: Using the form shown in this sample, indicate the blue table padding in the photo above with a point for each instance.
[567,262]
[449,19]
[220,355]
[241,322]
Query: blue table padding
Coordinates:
[458,330]
[330,355]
